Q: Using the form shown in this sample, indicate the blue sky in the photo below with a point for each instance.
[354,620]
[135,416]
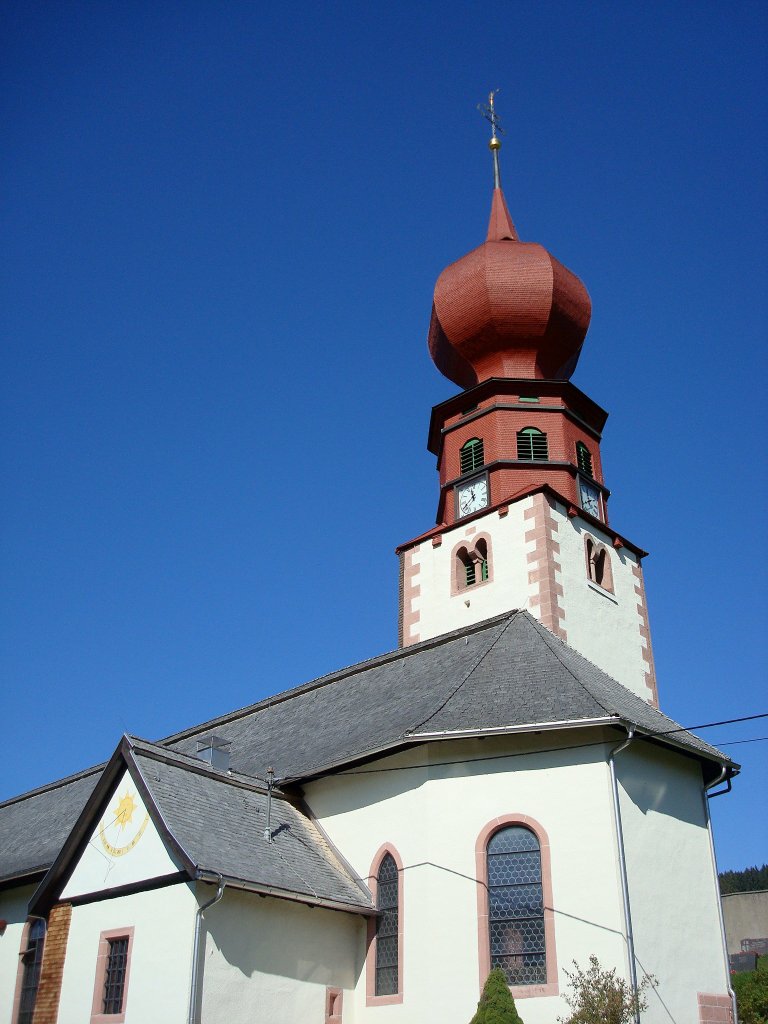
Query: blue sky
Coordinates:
[222,225]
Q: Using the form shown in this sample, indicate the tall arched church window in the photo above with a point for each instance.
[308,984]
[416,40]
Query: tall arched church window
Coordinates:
[516,906]
[532,445]
[31,962]
[471,455]
[387,903]
[583,459]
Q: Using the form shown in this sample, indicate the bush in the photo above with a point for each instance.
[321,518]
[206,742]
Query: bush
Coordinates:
[599,997]
[496,1004]
[751,991]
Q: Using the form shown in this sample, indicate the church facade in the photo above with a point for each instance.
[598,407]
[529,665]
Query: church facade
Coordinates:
[500,791]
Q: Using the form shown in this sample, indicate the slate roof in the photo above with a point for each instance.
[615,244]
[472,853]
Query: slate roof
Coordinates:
[219,822]
[507,672]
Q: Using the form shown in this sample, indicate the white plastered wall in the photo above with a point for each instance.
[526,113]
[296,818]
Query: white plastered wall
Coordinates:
[438,610]
[13,909]
[271,960]
[433,816]
[161,955]
[673,887]
[604,627]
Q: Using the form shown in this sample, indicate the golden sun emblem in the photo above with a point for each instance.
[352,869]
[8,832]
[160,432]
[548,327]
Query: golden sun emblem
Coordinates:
[125,810]
[119,825]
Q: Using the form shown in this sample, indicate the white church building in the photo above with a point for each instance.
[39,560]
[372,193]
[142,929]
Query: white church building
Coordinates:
[501,790]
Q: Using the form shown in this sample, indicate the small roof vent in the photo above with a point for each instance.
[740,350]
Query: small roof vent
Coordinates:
[215,751]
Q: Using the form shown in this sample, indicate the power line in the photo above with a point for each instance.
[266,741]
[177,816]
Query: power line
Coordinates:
[710,725]
[732,743]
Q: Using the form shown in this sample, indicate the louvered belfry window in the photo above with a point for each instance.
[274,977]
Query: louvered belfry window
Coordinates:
[583,459]
[387,927]
[471,455]
[532,445]
[516,906]
[114,978]
[32,959]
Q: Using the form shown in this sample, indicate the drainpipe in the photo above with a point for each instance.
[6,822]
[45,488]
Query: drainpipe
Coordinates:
[706,795]
[196,948]
[623,865]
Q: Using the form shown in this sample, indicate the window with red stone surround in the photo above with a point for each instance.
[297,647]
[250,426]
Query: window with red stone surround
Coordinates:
[108,952]
[550,986]
[598,558]
[371,999]
[471,564]
[333,1004]
[715,1009]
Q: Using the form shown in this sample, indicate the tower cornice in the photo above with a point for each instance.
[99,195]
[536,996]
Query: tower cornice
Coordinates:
[578,406]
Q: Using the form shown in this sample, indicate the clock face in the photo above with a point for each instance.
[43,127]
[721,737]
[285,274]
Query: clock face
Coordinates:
[124,821]
[590,499]
[473,496]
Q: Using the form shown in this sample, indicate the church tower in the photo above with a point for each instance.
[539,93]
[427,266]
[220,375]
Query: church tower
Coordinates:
[522,513]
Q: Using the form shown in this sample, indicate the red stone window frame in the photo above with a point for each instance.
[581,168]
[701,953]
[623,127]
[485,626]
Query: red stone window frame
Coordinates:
[598,561]
[551,987]
[97,1007]
[334,998]
[470,547]
[371,999]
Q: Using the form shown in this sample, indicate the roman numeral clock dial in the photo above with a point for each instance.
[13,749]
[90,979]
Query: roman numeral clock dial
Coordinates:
[472,496]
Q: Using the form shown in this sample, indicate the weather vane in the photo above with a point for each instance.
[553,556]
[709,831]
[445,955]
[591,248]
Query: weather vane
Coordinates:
[488,110]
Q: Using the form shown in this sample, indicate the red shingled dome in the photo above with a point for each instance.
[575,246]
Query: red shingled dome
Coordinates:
[507,309]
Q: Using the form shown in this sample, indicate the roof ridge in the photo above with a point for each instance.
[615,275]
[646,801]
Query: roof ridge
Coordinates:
[188,762]
[546,635]
[475,666]
[337,676]
[56,784]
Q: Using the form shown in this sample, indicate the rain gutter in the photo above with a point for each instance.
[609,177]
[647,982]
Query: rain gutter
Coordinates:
[623,867]
[706,797]
[196,947]
[288,894]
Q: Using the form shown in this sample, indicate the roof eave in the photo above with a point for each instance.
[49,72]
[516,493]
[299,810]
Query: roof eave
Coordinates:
[261,889]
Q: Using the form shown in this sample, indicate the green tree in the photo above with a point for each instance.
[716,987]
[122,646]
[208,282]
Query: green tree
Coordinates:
[599,997]
[751,990]
[496,1004]
[748,880]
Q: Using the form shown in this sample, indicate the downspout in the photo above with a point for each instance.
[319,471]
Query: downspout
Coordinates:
[196,948]
[706,798]
[623,866]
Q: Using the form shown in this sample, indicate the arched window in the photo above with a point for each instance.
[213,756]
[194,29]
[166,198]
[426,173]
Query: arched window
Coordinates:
[471,455]
[516,906]
[466,574]
[532,445]
[385,937]
[583,459]
[598,564]
[31,961]
[515,916]
[386,931]
[471,565]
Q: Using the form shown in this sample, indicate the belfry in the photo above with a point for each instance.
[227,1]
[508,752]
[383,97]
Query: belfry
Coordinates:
[522,513]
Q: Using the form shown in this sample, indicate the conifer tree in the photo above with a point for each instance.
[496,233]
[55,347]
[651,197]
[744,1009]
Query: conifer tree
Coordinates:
[496,1004]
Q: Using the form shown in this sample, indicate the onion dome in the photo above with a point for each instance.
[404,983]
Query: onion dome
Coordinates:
[507,309]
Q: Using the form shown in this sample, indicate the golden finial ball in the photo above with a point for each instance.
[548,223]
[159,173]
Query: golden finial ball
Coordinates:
[495,143]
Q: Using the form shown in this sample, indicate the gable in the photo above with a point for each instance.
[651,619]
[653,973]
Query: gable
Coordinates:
[124,847]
